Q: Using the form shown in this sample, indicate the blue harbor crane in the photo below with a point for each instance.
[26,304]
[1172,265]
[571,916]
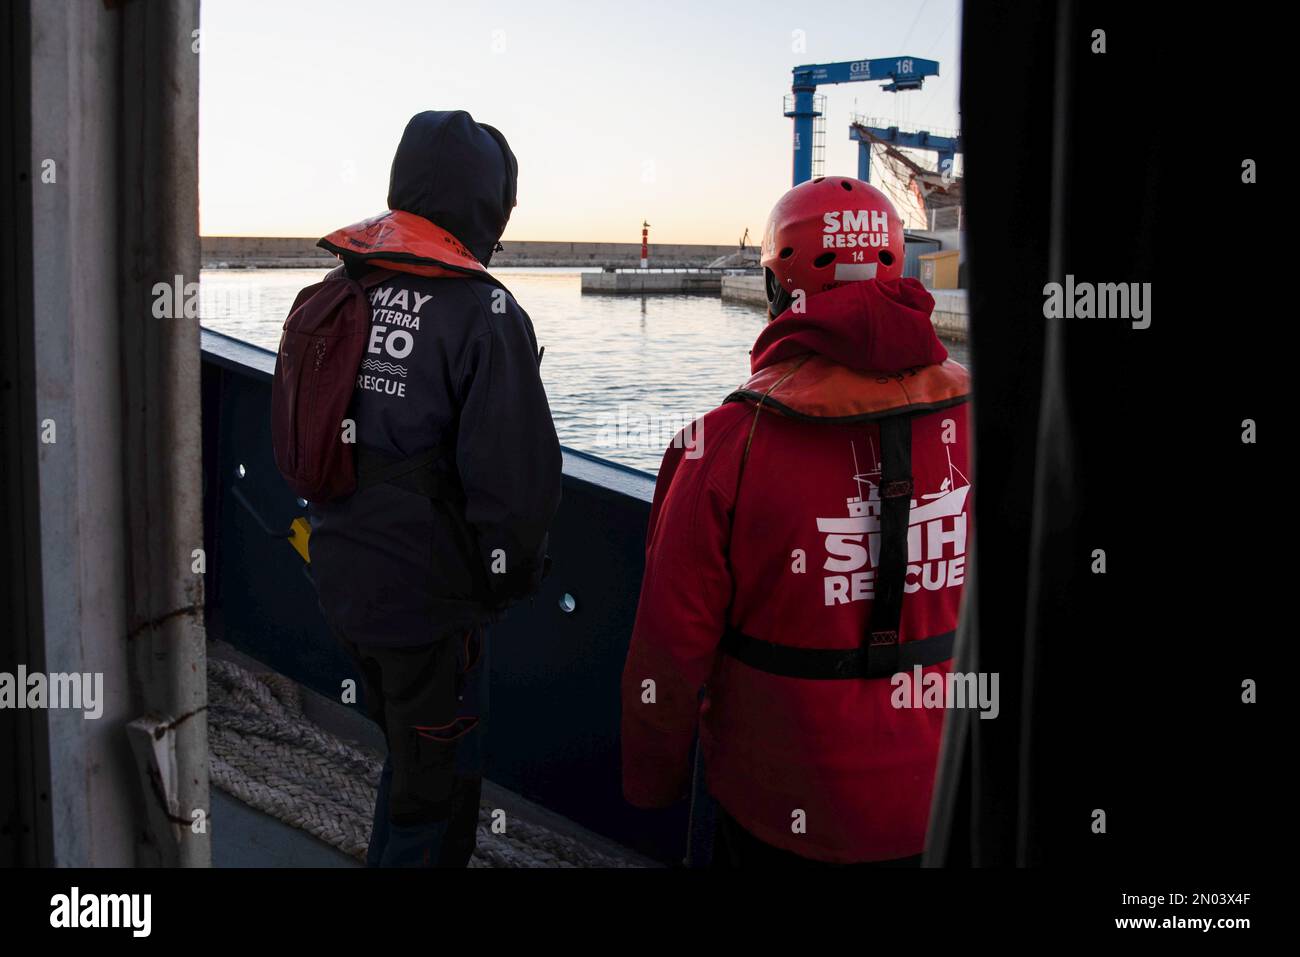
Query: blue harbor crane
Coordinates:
[804,106]
[869,131]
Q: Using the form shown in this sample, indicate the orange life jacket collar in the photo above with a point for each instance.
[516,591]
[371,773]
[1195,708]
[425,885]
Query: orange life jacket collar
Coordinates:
[404,242]
[811,386]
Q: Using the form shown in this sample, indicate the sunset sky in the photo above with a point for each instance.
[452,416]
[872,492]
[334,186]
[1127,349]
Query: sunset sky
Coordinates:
[618,112]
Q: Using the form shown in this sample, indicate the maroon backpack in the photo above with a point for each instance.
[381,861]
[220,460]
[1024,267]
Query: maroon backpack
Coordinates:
[321,349]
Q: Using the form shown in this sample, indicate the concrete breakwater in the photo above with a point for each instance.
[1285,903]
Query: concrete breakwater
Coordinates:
[750,289]
[278,252]
[648,281]
[250,252]
[950,316]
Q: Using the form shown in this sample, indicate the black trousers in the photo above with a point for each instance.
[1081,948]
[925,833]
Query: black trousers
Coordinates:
[431,702]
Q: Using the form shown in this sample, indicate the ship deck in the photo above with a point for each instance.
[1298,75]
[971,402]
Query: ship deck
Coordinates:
[246,837]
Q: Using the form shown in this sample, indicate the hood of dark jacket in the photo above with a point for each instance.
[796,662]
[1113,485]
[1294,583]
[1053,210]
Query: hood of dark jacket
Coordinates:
[457,173]
[870,326]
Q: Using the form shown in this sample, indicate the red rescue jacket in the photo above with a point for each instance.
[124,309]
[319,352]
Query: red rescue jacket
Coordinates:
[797,557]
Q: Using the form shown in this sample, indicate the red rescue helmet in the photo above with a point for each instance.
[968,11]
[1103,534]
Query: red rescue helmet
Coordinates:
[826,232]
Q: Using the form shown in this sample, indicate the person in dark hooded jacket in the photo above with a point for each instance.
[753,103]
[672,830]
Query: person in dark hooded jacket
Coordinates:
[808,558]
[450,412]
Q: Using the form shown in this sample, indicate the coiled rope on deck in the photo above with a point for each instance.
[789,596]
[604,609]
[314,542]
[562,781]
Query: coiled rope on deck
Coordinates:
[267,753]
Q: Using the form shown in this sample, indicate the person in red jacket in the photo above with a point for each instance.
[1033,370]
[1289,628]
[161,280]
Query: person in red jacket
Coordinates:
[811,546]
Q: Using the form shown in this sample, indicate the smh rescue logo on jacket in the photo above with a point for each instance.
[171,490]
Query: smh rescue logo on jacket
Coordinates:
[936,538]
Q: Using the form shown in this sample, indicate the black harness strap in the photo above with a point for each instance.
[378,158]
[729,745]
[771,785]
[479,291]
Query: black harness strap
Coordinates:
[834,663]
[418,473]
[891,565]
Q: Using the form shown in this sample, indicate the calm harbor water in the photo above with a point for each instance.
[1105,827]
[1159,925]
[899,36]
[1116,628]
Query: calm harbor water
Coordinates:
[623,374]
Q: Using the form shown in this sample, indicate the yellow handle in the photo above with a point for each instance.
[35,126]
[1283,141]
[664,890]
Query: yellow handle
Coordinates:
[299,533]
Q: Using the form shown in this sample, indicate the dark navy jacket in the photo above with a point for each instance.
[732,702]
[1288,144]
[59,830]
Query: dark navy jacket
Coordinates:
[452,365]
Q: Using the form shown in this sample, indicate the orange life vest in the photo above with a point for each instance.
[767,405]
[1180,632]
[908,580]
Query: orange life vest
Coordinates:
[405,242]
